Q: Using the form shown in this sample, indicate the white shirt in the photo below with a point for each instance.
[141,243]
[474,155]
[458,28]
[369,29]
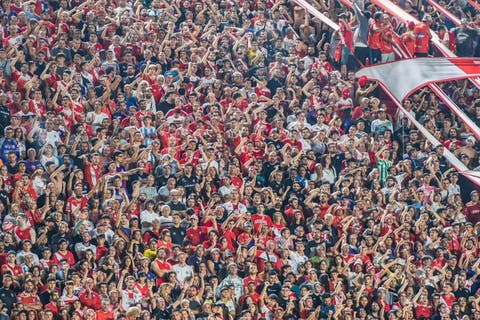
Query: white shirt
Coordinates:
[296,259]
[147,216]
[53,137]
[225,190]
[130,298]
[183,272]
[240,209]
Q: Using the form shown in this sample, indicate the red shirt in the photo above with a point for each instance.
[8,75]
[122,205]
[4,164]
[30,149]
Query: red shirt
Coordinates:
[34,217]
[28,298]
[230,236]
[92,174]
[101,315]
[15,269]
[385,46]
[92,301]
[347,36]
[422,43]
[472,212]
[38,108]
[196,236]
[52,306]
[22,234]
[101,251]
[449,300]
[258,282]
[375,36]
[423,311]
[143,289]
[58,256]
[162,266]
[259,220]
[73,203]
[409,43]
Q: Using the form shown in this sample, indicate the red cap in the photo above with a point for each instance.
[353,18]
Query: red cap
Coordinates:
[362,81]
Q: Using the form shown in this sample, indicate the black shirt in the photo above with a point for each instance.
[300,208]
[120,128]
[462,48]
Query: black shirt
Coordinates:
[4,117]
[8,297]
[165,106]
[178,234]
[160,314]
[179,207]
[188,183]
[12,169]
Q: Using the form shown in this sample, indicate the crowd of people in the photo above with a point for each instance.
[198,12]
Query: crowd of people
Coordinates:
[217,160]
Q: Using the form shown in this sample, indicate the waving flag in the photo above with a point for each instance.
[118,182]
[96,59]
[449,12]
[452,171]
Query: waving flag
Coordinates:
[403,77]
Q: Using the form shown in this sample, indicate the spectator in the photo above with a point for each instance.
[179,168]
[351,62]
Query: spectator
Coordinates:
[465,36]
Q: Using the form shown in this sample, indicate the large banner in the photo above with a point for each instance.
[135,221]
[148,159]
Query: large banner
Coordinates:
[402,78]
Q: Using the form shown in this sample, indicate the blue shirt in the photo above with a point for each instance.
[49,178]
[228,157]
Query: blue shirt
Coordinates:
[7,146]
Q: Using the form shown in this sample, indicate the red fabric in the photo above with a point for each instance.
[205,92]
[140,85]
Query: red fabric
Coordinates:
[91,300]
[422,43]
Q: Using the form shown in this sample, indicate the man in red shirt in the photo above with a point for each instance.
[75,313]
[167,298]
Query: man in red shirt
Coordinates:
[195,234]
[63,253]
[93,170]
[472,208]
[374,38]
[12,267]
[160,266]
[104,313]
[253,277]
[88,297]
[422,33]
[77,200]
[29,297]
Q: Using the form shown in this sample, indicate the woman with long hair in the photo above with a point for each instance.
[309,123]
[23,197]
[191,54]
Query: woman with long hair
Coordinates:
[20,137]
[215,262]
